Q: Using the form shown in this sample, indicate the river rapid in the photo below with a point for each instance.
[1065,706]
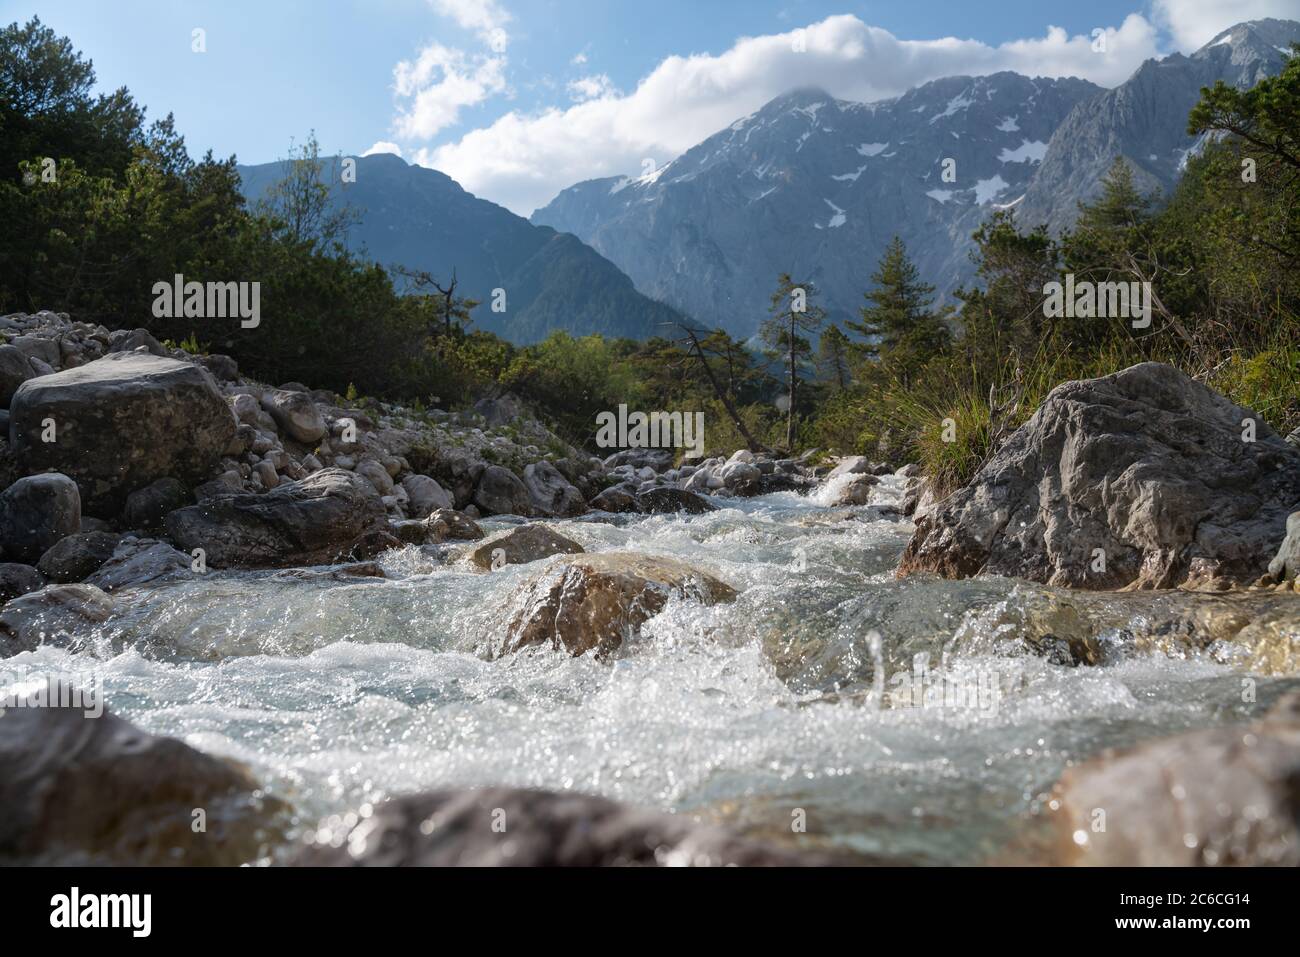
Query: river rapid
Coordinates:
[918,721]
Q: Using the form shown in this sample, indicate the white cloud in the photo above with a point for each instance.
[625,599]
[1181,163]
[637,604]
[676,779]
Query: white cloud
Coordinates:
[438,84]
[522,161]
[579,59]
[1194,23]
[383,146]
[591,87]
[485,17]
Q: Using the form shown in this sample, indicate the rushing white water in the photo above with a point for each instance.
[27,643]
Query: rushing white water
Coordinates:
[341,691]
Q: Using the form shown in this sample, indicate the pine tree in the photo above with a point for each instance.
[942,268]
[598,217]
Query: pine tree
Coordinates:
[792,313]
[833,358]
[897,305]
[901,329]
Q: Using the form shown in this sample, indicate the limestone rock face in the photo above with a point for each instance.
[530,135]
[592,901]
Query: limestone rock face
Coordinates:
[82,788]
[313,521]
[120,423]
[545,829]
[1222,796]
[596,601]
[1138,479]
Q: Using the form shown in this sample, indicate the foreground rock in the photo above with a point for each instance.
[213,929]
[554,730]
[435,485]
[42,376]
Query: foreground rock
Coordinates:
[96,790]
[315,521]
[121,422]
[1137,479]
[598,601]
[518,546]
[540,829]
[1223,796]
[35,513]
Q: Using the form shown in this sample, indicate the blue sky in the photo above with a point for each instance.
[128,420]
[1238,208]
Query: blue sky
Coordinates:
[518,98]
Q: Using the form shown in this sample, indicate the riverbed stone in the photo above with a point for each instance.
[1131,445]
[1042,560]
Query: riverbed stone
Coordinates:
[594,602]
[296,415]
[551,493]
[139,561]
[73,558]
[425,495]
[59,615]
[518,546]
[35,513]
[313,521]
[500,492]
[17,579]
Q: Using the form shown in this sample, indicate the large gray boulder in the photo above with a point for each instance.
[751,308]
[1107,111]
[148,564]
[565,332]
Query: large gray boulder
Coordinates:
[500,492]
[1217,797]
[511,827]
[120,423]
[1139,479]
[313,521]
[80,785]
[550,492]
[35,512]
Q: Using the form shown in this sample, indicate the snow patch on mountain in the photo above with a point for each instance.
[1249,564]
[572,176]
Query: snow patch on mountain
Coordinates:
[1031,151]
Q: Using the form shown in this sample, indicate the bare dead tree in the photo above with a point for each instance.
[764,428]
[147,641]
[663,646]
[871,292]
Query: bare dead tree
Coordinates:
[696,350]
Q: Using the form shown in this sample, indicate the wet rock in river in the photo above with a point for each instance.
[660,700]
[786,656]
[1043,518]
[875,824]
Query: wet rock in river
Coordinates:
[596,601]
[35,513]
[518,546]
[60,615]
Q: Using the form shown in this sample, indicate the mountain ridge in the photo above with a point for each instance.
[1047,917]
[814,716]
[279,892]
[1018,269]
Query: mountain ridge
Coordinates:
[423,219]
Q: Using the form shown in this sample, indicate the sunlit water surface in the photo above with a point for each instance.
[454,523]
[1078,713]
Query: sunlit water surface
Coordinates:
[759,713]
